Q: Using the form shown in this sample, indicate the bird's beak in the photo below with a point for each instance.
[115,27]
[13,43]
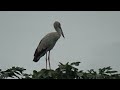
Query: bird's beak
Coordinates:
[62,33]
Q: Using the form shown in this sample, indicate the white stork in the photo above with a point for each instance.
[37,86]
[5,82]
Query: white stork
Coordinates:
[47,43]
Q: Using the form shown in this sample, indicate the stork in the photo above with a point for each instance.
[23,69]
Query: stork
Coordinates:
[47,43]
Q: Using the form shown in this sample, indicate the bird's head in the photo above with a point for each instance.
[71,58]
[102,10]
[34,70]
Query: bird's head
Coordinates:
[58,28]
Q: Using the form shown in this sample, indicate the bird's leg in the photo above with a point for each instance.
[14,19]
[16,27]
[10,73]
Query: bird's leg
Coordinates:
[46,60]
[49,60]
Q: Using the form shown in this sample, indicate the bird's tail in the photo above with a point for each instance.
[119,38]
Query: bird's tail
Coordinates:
[38,55]
[35,59]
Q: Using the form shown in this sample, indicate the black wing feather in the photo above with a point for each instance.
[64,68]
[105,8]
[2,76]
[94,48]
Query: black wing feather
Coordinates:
[38,54]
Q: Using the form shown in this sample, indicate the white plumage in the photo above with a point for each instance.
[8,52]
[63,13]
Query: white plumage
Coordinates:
[47,43]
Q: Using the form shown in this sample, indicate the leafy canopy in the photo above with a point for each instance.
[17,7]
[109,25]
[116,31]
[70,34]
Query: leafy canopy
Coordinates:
[64,71]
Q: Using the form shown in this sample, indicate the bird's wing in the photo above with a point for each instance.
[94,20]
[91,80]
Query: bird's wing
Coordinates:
[41,48]
[37,51]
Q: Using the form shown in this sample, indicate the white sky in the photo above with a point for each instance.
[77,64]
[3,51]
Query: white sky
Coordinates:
[91,37]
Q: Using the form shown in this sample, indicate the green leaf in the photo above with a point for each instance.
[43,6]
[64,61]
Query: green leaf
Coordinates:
[108,68]
[111,71]
[79,74]
[60,63]
[17,72]
[75,63]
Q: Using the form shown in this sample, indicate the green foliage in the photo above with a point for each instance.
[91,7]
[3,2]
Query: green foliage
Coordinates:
[64,71]
[14,72]
[43,74]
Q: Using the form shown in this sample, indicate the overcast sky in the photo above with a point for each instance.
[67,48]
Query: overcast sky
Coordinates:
[91,37]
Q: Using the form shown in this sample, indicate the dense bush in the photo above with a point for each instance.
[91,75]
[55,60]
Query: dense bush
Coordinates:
[64,71]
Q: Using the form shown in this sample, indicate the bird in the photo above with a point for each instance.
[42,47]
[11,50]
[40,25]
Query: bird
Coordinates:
[47,43]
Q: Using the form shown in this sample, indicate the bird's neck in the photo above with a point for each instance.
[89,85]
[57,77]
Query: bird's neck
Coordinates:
[59,31]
